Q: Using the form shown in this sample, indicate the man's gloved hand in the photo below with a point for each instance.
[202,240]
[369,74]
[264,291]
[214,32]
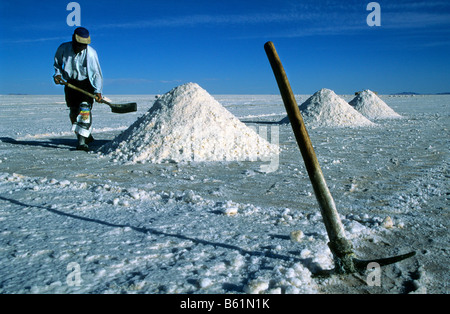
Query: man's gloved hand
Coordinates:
[98,97]
[58,79]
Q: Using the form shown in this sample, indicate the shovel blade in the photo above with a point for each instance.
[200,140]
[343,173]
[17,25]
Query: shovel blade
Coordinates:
[123,108]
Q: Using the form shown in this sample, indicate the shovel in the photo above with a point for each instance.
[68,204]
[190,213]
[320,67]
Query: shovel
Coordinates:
[344,258]
[116,108]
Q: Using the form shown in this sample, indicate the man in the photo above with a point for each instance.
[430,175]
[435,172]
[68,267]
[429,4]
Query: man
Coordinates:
[77,63]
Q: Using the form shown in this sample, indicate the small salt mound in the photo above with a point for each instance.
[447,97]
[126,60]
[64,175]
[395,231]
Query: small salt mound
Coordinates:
[326,109]
[188,124]
[372,107]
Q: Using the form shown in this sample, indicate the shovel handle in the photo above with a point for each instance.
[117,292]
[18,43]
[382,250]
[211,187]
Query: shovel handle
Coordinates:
[330,215]
[81,91]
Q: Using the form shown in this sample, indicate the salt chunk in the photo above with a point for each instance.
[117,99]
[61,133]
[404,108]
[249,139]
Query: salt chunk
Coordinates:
[238,261]
[388,223]
[275,291]
[305,253]
[230,208]
[297,236]
[230,211]
[205,283]
[256,286]
[135,195]
[64,183]
[191,197]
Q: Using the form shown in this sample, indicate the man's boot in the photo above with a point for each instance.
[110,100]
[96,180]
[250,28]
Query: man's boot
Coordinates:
[89,140]
[82,143]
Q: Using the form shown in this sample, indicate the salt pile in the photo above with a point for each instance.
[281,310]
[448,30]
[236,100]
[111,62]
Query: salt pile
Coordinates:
[372,107]
[188,124]
[326,109]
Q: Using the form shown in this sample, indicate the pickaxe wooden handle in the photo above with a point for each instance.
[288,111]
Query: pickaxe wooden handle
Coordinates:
[344,259]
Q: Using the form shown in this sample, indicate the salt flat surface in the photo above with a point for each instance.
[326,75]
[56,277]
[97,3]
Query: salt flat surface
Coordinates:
[220,227]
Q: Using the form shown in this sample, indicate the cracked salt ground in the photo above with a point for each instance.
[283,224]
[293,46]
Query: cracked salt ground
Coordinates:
[154,242]
[221,227]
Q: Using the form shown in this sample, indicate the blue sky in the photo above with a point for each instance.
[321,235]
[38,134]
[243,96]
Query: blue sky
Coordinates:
[148,47]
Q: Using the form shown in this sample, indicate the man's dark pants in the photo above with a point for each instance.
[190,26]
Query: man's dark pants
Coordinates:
[74,99]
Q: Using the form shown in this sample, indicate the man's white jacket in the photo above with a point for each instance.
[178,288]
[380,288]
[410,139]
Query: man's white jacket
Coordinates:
[79,66]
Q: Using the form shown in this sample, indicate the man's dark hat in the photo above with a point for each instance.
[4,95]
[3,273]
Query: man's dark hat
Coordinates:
[81,35]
